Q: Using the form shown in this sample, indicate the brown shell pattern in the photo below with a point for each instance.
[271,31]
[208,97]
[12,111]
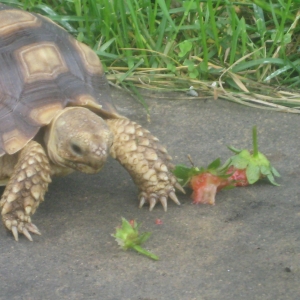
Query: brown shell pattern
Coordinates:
[42,70]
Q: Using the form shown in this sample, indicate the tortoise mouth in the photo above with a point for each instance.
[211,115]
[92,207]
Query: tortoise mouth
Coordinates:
[91,168]
[84,168]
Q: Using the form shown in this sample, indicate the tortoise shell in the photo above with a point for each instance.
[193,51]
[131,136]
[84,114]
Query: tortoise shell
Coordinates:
[43,69]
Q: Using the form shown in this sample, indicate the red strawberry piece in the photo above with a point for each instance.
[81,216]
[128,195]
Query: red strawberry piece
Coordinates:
[205,187]
[158,222]
[238,176]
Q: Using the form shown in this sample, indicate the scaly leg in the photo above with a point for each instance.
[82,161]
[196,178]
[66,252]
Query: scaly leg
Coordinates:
[25,190]
[146,160]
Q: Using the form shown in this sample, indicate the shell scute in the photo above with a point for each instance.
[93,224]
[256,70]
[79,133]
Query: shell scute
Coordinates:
[42,70]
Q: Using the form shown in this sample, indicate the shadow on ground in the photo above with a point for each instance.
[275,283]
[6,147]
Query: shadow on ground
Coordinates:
[247,246]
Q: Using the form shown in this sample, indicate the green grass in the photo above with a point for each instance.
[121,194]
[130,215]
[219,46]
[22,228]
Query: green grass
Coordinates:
[246,51]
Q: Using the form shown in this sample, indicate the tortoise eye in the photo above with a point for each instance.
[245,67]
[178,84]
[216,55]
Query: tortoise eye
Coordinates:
[76,149]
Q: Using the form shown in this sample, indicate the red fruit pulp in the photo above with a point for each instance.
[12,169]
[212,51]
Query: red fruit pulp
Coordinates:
[238,176]
[205,187]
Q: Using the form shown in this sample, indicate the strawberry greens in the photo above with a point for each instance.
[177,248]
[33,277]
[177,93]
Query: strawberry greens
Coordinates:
[127,236]
[241,169]
[255,165]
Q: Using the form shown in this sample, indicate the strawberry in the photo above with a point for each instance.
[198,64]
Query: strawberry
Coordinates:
[248,167]
[238,177]
[205,187]
[158,222]
[241,169]
[204,182]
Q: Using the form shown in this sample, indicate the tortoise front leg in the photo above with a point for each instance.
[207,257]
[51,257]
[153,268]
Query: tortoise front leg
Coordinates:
[25,190]
[146,160]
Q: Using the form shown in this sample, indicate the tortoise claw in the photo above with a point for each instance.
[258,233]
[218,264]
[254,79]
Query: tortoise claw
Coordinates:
[25,230]
[163,201]
[142,202]
[179,187]
[152,199]
[32,228]
[27,234]
[152,202]
[14,231]
[173,196]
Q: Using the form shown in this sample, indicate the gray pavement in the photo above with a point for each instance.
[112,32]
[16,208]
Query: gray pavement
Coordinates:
[247,246]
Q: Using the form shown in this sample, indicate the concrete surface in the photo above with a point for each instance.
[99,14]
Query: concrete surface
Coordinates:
[247,246]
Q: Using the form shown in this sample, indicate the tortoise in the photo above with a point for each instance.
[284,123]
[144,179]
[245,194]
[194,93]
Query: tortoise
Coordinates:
[56,117]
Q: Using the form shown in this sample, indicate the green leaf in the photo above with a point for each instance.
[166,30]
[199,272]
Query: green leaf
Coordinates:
[165,10]
[245,154]
[194,74]
[252,173]
[285,39]
[253,63]
[233,149]
[277,72]
[265,170]
[239,162]
[144,237]
[185,47]
[275,172]
[189,64]
[190,5]
[261,160]
[182,173]
[272,180]
[171,67]
[215,164]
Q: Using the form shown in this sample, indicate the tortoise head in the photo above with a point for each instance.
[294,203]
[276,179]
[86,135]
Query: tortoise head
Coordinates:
[79,139]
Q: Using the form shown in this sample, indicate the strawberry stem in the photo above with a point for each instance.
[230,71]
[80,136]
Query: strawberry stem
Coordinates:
[145,252]
[254,140]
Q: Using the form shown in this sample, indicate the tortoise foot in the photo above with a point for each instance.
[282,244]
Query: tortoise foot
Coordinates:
[147,161]
[25,190]
[18,222]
